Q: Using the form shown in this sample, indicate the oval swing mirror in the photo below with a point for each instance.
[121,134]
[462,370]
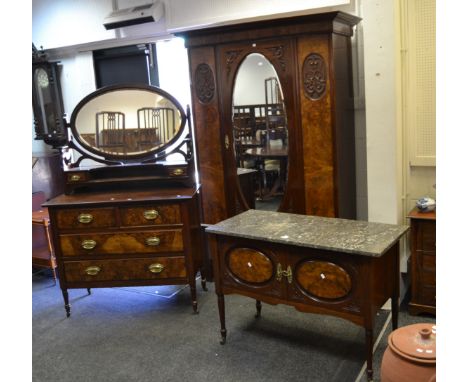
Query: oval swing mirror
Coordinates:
[128,121]
[260,132]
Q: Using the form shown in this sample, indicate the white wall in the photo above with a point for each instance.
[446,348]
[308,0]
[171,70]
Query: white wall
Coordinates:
[381,35]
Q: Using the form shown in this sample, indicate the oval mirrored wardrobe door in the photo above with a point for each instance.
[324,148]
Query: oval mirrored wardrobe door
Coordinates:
[260,133]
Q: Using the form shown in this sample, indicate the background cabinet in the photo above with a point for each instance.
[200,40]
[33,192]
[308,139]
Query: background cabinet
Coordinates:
[423,262]
[312,58]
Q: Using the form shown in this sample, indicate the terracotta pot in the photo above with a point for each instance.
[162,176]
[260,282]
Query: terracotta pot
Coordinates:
[410,355]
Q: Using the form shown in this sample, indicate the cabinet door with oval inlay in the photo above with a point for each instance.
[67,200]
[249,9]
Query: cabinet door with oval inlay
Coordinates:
[322,280]
[250,265]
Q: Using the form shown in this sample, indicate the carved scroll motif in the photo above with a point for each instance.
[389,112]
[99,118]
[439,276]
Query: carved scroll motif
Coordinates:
[204,83]
[314,76]
[231,56]
[278,53]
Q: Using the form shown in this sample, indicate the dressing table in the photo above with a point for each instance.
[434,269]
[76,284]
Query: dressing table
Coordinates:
[130,212]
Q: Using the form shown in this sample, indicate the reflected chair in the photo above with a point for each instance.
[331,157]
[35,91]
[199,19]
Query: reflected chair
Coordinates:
[110,130]
[42,250]
[156,125]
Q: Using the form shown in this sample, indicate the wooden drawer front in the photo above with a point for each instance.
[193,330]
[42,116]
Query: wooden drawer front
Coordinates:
[427,261]
[86,218]
[428,235]
[130,243]
[150,215]
[121,270]
[428,278]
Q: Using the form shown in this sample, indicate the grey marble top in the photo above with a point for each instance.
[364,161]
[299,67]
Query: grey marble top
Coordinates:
[350,236]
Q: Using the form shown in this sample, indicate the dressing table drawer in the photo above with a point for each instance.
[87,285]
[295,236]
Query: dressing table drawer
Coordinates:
[131,243]
[150,215]
[125,269]
[86,218]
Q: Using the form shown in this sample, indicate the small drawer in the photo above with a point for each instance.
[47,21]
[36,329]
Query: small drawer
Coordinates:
[428,278]
[150,215]
[130,243]
[86,218]
[428,235]
[428,261]
[125,269]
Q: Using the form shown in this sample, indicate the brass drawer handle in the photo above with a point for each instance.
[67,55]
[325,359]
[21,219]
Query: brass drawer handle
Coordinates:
[156,268]
[153,241]
[280,273]
[151,214]
[92,271]
[75,178]
[178,171]
[85,218]
[88,244]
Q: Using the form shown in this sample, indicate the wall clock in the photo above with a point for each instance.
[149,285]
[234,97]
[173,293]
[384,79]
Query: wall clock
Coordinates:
[49,123]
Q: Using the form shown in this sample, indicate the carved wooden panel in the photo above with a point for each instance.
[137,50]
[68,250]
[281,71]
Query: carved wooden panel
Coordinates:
[317,138]
[204,83]
[250,265]
[314,76]
[323,279]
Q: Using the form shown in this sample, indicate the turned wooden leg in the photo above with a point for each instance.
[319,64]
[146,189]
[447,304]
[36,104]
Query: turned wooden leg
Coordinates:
[222,318]
[258,305]
[193,292]
[89,290]
[369,349]
[67,304]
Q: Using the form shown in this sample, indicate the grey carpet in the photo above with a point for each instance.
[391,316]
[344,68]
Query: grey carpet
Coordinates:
[136,334]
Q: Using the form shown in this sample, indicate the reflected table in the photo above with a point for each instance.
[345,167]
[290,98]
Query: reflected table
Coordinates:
[271,152]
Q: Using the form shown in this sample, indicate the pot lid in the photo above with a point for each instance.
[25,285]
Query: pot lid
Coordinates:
[416,342]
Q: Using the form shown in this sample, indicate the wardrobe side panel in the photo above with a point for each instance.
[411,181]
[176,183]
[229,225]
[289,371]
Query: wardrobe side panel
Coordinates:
[317,124]
[208,133]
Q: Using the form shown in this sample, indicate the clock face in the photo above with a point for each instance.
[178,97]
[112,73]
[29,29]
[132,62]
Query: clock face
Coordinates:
[42,78]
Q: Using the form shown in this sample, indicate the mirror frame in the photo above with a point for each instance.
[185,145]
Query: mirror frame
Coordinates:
[102,156]
[274,53]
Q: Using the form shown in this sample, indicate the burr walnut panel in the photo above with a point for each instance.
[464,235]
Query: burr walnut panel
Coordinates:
[323,279]
[125,269]
[150,215]
[85,218]
[133,243]
[250,265]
